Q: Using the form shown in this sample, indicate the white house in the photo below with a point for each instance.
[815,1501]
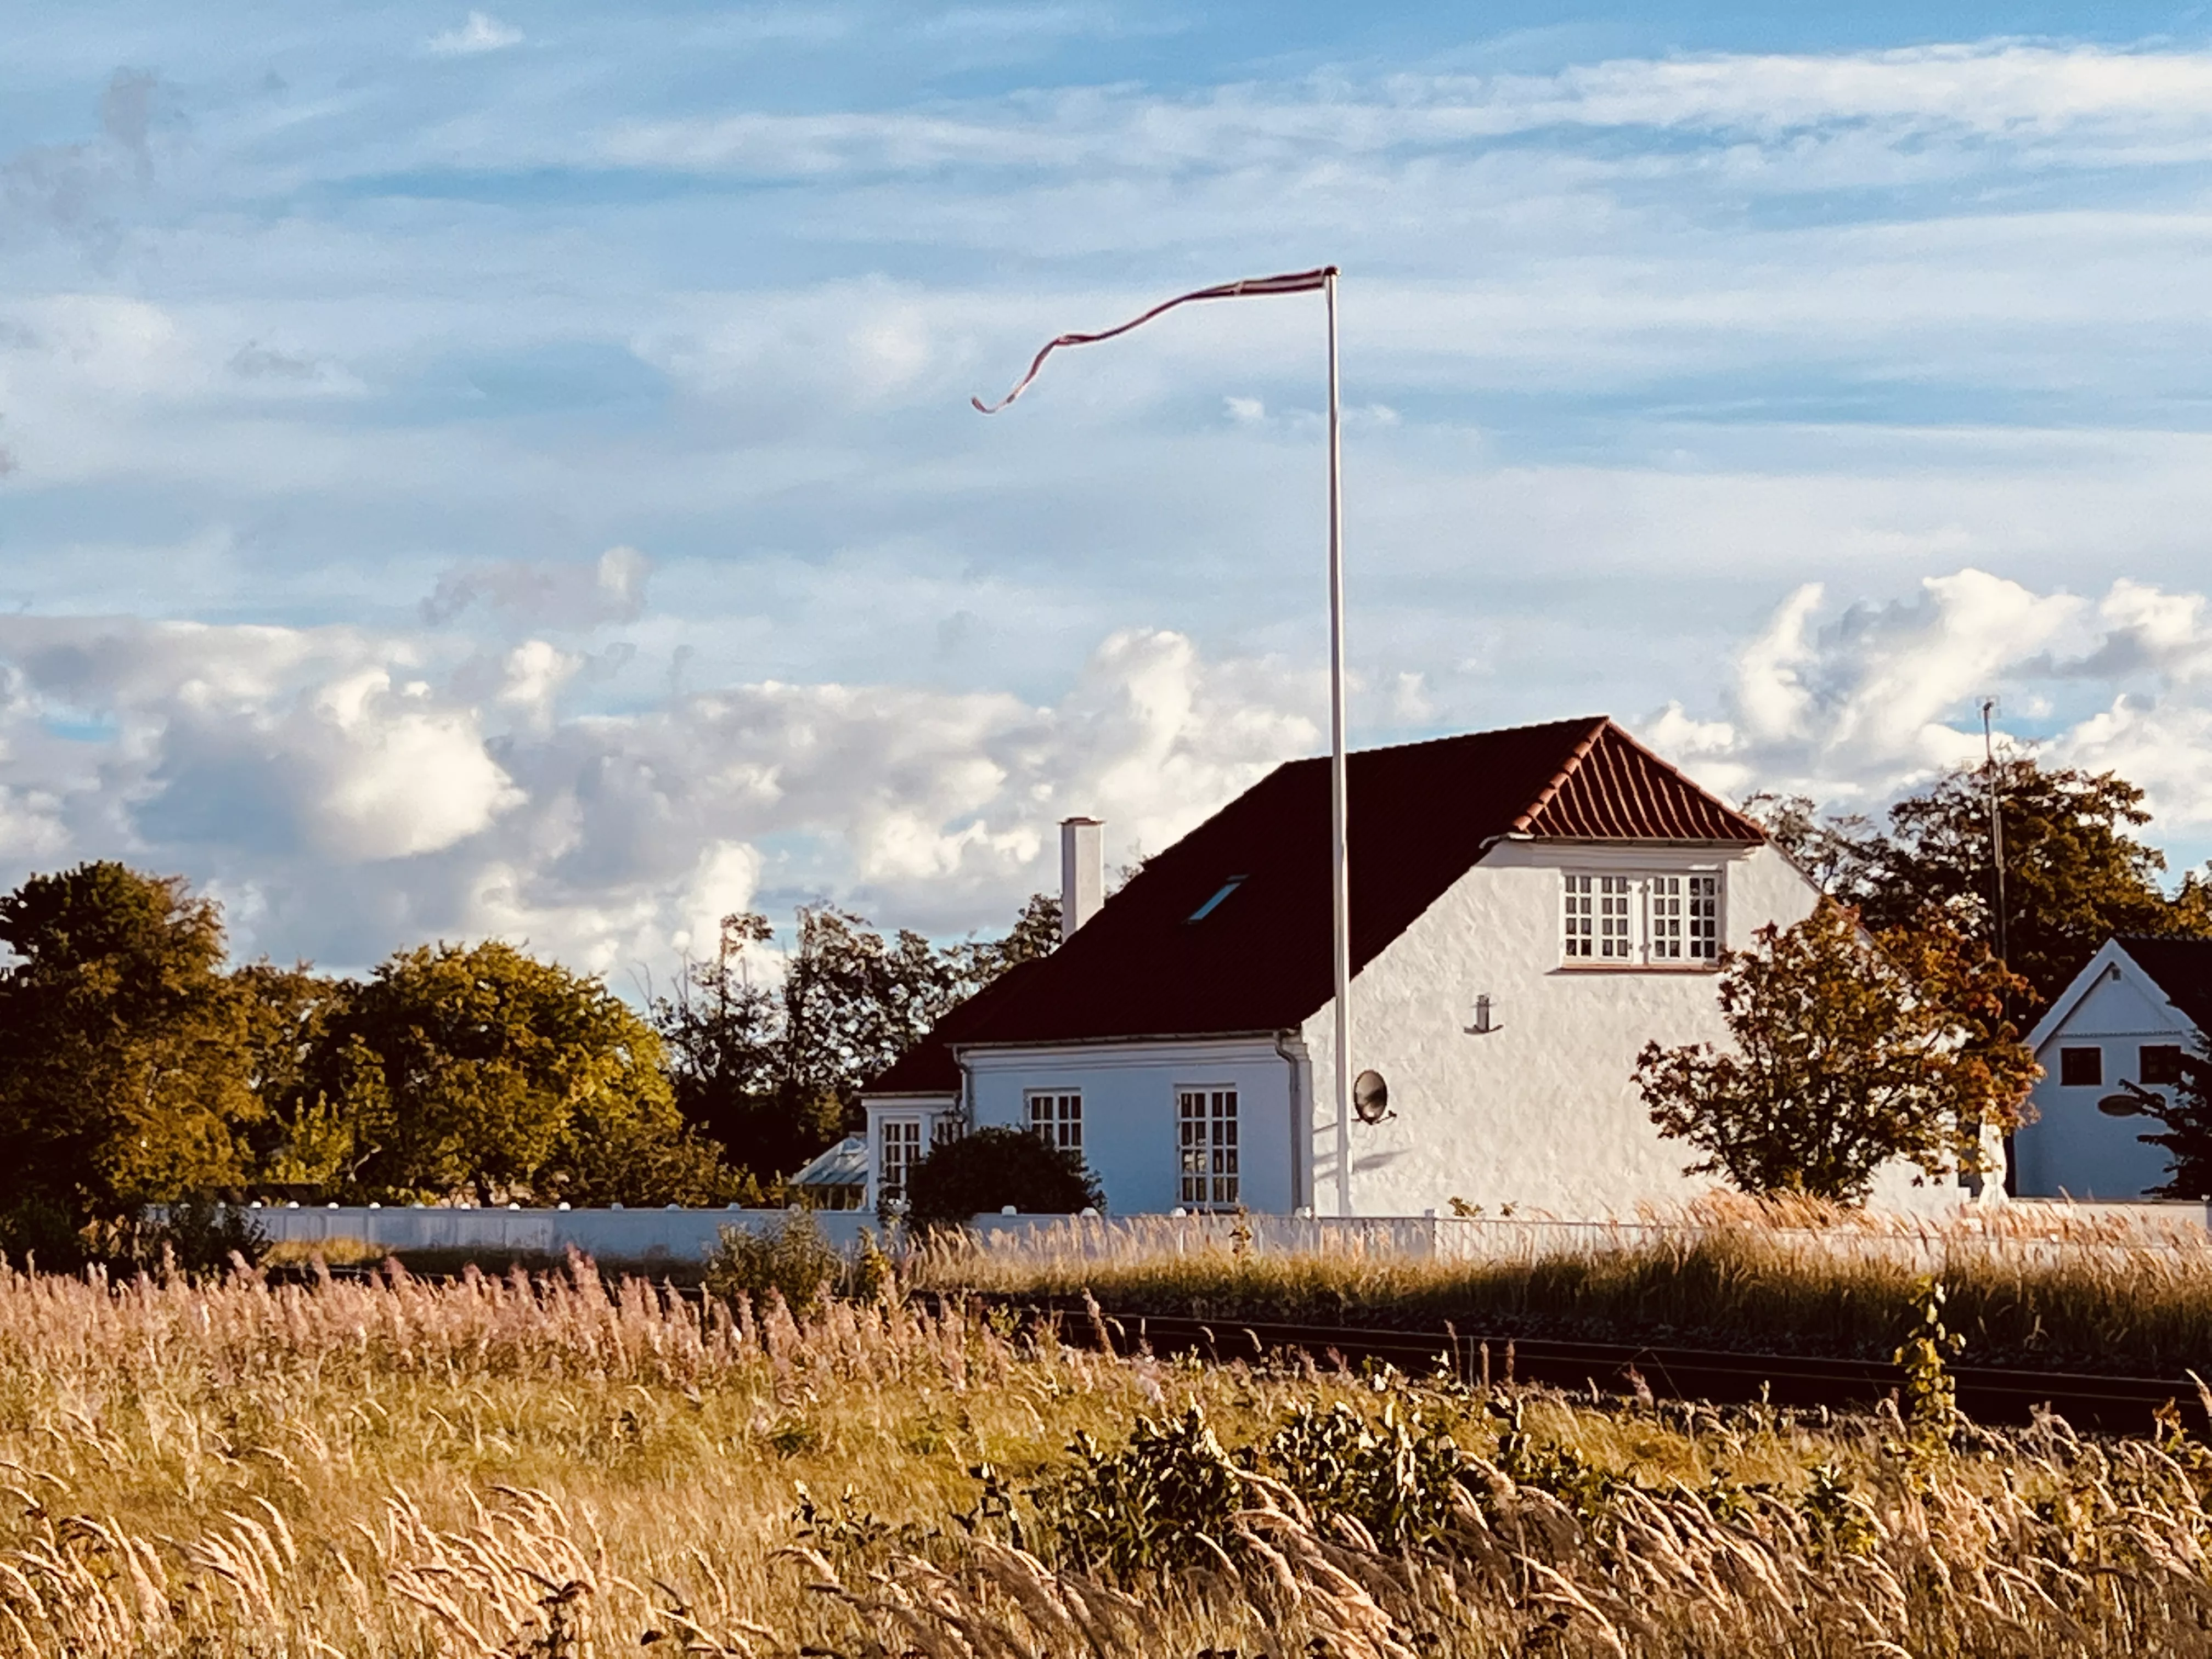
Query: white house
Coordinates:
[1530,908]
[2124,1018]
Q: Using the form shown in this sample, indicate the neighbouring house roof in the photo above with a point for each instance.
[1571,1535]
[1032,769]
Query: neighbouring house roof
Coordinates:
[1420,815]
[2182,967]
[2179,970]
[845,1165]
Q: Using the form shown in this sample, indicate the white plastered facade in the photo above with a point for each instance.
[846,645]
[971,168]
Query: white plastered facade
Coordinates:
[2072,1150]
[1539,1113]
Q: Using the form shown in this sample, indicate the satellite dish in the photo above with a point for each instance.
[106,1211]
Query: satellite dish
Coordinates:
[1370,1097]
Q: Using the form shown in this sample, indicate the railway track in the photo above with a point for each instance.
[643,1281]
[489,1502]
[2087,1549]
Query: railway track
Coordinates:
[1991,1394]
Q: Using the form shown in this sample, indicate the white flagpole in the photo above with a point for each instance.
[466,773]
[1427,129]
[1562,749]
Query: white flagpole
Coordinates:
[1297,282]
[1339,851]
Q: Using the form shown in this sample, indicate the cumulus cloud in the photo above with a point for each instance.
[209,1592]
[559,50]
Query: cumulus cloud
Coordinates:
[1853,705]
[346,793]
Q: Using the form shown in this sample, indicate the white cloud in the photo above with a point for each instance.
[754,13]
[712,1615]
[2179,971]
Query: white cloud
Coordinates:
[349,793]
[1853,706]
[480,32]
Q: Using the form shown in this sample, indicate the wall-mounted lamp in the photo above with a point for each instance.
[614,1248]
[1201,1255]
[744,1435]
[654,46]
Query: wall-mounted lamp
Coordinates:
[1483,1025]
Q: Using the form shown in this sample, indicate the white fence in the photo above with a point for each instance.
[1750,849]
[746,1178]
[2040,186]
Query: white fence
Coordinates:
[670,1235]
[685,1236]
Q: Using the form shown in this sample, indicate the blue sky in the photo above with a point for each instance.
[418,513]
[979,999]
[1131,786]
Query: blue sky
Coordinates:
[509,470]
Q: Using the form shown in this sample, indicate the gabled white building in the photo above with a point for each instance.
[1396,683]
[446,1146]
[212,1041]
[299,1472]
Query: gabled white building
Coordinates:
[2126,1018]
[1530,908]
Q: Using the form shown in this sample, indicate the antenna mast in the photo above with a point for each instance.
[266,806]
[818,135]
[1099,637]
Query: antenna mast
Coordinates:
[1996,827]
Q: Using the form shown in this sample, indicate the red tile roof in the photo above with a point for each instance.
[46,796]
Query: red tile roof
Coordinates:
[1420,815]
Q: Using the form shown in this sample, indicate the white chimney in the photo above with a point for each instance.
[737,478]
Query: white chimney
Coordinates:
[1082,873]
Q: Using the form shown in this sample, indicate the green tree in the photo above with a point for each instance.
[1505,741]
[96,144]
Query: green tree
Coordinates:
[484,1070]
[2075,872]
[1849,1051]
[123,1071]
[2185,1126]
[301,1136]
[771,1064]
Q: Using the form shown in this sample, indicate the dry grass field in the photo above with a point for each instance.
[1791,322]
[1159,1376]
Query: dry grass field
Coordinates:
[535,1466]
[2037,1285]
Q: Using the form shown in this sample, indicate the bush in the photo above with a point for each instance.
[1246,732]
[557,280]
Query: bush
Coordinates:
[991,1168]
[38,1233]
[793,1259]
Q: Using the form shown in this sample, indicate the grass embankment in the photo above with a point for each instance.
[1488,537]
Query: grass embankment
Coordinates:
[2040,1288]
[490,1467]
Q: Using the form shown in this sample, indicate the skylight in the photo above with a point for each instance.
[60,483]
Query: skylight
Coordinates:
[1208,908]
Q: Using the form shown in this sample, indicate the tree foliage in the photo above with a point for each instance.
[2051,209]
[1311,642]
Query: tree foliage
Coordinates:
[2075,872]
[123,1073]
[982,1173]
[1849,1051]
[482,1069]
[771,1066]
[2185,1131]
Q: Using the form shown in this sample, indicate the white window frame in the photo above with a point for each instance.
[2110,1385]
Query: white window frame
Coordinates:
[904,1133]
[1207,1173]
[1056,1114]
[1642,918]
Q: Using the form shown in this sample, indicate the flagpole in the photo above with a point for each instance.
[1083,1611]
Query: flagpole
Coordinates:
[1339,851]
[1293,282]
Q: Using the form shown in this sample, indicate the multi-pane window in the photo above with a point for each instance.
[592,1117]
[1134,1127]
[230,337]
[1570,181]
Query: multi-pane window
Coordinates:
[1613,944]
[1205,1124]
[1685,918]
[1059,1118]
[1578,917]
[897,1152]
[2081,1068]
[1630,920]
[2158,1062]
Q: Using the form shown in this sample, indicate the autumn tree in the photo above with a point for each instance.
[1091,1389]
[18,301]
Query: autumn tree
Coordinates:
[484,1070]
[1849,1051]
[2075,872]
[123,1071]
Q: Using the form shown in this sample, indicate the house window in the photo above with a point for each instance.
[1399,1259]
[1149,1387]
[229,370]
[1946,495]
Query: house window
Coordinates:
[1578,918]
[1059,1118]
[1205,1121]
[1668,919]
[897,1152]
[2081,1068]
[2158,1062]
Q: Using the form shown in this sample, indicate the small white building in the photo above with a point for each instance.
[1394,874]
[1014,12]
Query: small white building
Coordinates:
[2126,1018]
[1530,908]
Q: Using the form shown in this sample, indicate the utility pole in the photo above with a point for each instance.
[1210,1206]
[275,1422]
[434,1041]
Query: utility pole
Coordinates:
[1996,828]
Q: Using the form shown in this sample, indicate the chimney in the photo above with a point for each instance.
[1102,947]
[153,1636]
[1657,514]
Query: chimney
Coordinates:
[1082,873]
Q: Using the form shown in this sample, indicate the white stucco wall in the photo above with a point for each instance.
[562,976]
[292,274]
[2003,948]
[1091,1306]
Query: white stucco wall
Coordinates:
[1129,1132]
[2072,1149]
[1541,1113]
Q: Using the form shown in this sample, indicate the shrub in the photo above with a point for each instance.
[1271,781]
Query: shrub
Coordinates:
[793,1259]
[991,1168]
[197,1236]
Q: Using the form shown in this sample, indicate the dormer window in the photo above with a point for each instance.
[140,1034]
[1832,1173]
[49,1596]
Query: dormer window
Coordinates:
[1671,920]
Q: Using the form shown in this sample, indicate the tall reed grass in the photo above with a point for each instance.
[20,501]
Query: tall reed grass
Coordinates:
[540,1465]
[2037,1285]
